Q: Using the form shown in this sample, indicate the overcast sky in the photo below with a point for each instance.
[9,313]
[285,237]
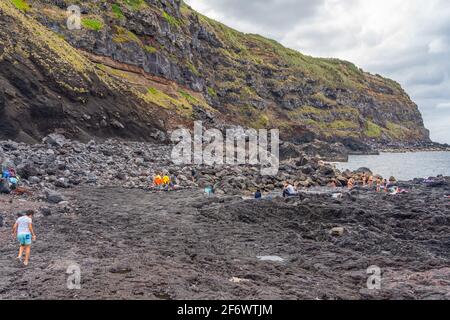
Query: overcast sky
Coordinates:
[408,41]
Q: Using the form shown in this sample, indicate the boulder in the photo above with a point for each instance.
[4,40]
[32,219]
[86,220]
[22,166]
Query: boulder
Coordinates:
[55,140]
[62,183]
[53,196]
[337,232]
[307,170]
[34,180]
[326,171]
[4,187]
[363,170]
[27,170]
[46,212]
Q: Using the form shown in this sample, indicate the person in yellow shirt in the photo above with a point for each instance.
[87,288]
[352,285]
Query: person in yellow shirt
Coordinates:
[166,182]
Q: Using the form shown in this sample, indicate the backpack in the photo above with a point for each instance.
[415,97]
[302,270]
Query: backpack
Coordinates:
[6,174]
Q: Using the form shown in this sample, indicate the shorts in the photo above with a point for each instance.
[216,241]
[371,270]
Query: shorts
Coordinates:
[24,239]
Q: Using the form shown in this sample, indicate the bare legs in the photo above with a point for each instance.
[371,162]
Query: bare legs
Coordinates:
[20,252]
[27,255]
[27,250]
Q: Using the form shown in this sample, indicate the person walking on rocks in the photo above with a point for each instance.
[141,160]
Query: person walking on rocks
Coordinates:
[23,231]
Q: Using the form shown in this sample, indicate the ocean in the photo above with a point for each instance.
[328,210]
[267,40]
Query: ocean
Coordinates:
[403,166]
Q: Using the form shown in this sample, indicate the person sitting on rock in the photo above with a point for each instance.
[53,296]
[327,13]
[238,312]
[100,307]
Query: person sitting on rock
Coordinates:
[351,183]
[258,194]
[385,185]
[13,183]
[392,181]
[174,184]
[157,181]
[166,182]
[6,174]
[379,181]
[364,179]
[289,190]
[12,172]
[209,191]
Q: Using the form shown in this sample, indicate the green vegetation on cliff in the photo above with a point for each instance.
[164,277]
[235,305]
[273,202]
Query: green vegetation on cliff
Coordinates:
[92,24]
[185,62]
[22,5]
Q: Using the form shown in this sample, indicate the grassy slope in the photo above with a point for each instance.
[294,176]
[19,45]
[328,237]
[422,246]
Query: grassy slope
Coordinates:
[258,52]
[326,73]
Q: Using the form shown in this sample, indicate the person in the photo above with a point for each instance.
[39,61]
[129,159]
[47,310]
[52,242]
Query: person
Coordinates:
[258,194]
[392,181]
[6,174]
[24,232]
[12,172]
[13,183]
[166,182]
[379,182]
[385,185]
[174,182]
[364,179]
[289,190]
[332,184]
[351,183]
[209,191]
[396,190]
[194,175]
[157,181]
[370,181]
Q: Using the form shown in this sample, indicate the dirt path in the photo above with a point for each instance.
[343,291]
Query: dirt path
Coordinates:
[183,245]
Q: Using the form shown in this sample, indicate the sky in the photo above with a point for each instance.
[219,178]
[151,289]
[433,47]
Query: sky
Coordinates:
[408,41]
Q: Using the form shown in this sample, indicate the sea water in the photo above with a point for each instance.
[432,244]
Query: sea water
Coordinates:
[403,166]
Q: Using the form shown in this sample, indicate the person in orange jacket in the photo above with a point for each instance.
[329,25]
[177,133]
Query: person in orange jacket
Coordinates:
[157,181]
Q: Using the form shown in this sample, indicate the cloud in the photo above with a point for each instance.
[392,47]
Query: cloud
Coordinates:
[443,106]
[439,45]
[408,41]
[275,16]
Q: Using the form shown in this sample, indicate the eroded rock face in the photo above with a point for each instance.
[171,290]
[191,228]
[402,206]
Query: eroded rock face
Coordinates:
[46,85]
[236,79]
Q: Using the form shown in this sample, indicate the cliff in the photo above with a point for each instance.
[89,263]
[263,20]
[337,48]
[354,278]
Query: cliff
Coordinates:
[139,68]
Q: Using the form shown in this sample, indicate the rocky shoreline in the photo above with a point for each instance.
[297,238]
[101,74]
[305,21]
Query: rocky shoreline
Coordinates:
[61,163]
[425,147]
[95,208]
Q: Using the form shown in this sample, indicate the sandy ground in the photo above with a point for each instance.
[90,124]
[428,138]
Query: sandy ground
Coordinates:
[134,244]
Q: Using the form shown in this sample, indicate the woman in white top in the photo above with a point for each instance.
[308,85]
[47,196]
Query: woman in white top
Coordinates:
[23,230]
[289,190]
